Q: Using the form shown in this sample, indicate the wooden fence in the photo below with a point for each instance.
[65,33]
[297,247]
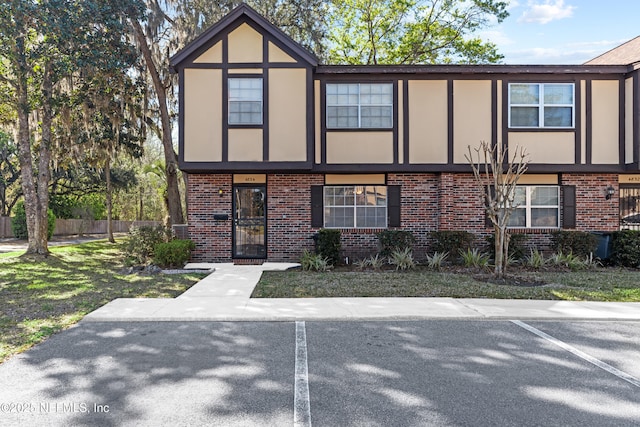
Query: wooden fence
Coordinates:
[66,227]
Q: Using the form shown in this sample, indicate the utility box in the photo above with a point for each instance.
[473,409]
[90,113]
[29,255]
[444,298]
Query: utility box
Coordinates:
[603,251]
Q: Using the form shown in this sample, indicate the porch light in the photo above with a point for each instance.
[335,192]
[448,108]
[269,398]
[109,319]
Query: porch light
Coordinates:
[220,192]
[610,192]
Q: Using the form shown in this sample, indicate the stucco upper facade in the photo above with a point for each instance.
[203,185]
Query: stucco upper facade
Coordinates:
[438,111]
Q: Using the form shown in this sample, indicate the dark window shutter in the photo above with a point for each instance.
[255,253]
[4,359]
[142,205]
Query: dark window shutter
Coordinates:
[568,206]
[317,208]
[487,221]
[393,205]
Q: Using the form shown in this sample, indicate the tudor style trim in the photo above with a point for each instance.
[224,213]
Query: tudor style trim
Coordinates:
[203,41]
[450,73]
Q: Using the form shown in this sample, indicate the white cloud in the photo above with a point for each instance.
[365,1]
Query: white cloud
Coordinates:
[543,13]
[497,36]
[563,54]
[512,5]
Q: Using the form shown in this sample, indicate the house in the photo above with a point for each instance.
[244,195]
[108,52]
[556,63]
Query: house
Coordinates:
[277,146]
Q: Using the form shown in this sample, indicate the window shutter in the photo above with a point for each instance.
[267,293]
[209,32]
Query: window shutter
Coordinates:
[317,217]
[393,205]
[568,206]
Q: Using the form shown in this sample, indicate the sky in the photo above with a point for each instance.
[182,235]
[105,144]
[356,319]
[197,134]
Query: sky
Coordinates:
[563,31]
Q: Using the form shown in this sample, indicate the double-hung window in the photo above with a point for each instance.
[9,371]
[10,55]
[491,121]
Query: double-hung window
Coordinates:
[541,105]
[245,101]
[536,207]
[355,206]
[359,105]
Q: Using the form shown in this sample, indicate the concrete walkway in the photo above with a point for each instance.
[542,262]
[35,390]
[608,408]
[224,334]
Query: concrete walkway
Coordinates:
[224,295]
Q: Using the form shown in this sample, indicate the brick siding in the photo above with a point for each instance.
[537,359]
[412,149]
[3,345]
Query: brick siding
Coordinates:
[430,202]
[594,212]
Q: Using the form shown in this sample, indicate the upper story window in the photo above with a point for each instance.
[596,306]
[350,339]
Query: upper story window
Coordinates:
[536,207]
[245,101]
[359,105]
[359,206]
[541,105]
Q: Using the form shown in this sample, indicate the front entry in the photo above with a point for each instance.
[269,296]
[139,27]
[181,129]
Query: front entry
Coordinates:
[249,221]
[630,207]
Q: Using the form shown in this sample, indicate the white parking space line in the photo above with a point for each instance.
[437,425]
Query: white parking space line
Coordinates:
[301,404]
[599,363]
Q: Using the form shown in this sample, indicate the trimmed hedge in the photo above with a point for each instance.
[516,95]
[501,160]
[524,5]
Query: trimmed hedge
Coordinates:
[139,246]
[391,241]
[625,248]
[328,245]
[452,241]
[174,253]
[579,243]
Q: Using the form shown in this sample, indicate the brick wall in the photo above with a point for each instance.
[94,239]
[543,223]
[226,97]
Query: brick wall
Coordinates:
[429,202]
[289,215]
[212,237]
[594,212]
[420,206]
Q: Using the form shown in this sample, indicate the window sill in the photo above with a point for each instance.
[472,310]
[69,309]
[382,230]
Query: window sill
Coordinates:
[359,129]
[533,230]
[572,129]
[359,230]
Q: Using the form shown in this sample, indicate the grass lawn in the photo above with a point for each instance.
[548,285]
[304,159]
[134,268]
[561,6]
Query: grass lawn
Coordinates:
[606,284]
[41,296]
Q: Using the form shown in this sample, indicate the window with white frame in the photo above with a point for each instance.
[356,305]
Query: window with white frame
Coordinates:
[245,101]
[355,206]
[541,105]
[536,207]
[359,105]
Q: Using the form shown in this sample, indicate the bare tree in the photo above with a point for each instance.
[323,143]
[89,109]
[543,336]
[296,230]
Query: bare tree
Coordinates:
[497,178]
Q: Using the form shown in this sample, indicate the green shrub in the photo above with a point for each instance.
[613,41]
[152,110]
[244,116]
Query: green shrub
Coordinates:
[579,243]
[328,245]
[394,240]
[19,222]
[139,245]
[436,260]
[517,249]
[571,261]
[374,261]
[625,248]
[536,259]
[474,258]
[402,259]
[175,253]
[453,242]
[87,206]
[314,262]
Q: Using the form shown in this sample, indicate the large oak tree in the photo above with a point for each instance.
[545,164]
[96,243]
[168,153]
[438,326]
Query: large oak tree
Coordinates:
[412,31]
[46,46]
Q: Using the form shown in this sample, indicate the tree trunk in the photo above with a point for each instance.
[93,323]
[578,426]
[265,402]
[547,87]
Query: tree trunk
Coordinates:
[44,163]
[32,204]
[141,207]
[107,172]
[498,251]
[171,162]
[505,257]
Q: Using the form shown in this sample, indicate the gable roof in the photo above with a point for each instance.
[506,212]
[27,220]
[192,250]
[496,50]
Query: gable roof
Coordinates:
[626,54]
[238,13]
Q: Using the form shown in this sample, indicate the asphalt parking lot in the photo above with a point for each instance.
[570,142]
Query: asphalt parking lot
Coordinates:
[402,373]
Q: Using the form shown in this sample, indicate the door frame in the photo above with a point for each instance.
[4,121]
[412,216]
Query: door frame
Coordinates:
[622,189]
[234,219]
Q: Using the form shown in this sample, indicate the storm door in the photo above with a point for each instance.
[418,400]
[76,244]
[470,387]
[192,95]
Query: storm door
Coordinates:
[630,207]
[249,222]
